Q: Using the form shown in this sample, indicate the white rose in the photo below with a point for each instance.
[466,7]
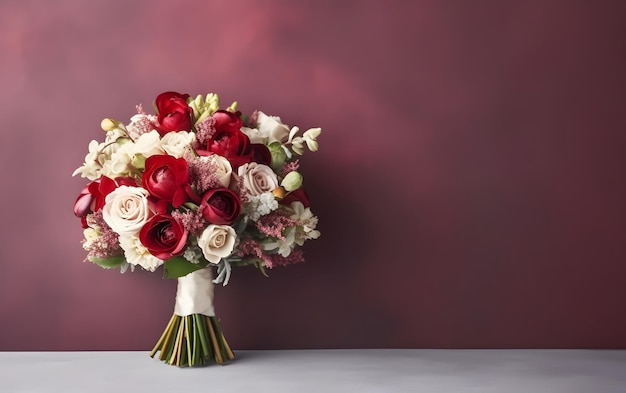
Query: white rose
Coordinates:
[272,128]
[217,242]
[175,143]
[137,254]
[126,209]
[257,178]
[148,144]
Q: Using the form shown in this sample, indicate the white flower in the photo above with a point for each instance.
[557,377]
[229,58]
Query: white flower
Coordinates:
[91,236]
[176,143]
[271,128]
[99,154]
[217,242]
[282,246]
[260,205]
[192,255]
[137,254]
[126,209]
[222,170]
[148,144]
[257,178]
[114,134]
[119,164]
[254,135]
[308,223]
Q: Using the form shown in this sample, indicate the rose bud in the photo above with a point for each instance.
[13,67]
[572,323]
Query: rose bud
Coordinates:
[292,181]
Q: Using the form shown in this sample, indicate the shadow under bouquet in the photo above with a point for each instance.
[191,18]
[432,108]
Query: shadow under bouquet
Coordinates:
[195,190]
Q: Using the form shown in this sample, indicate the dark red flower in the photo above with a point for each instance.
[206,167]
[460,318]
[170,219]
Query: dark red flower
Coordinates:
[166,178]
[227,119]
[163,236]
[230,142]
[220,206]
[173,113]
[260,154]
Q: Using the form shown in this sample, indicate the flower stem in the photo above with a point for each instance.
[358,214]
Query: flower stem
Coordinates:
[193,340]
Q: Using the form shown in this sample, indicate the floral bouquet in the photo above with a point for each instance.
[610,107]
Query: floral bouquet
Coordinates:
[194,189]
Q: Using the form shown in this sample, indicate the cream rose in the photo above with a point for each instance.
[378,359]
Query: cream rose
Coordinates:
[223,170]
[217,242]
[175,143]
[126,209]
[257,178]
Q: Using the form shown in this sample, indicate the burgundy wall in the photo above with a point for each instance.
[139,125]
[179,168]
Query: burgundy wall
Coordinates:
[470,181]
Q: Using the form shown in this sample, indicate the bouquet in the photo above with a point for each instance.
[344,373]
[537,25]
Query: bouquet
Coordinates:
[195,190]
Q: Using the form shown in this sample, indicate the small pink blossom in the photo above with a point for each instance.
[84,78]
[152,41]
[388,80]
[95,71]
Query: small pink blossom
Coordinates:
[290,167]
[251,248]
[296,256]
[202,174]
[141,124]
[274,223]
[205,130]
[107,245]
[191,220]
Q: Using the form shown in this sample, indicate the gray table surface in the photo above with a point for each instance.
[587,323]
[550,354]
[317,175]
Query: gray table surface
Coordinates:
[301,371]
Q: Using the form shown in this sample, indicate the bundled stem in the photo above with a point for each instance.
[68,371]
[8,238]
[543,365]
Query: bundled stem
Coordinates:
[192,341]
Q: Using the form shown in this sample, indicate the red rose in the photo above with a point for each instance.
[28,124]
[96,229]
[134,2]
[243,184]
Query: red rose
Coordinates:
[93,197]
[173,112]
[220,206]
[227,119]
[230,142]
[166,178]
[163,236]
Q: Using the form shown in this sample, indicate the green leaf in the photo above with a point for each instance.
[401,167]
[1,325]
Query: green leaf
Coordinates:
[178,266]
[108,263]
[240,225]
[278,155]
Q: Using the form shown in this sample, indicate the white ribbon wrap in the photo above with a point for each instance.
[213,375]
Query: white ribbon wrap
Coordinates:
[195,294]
